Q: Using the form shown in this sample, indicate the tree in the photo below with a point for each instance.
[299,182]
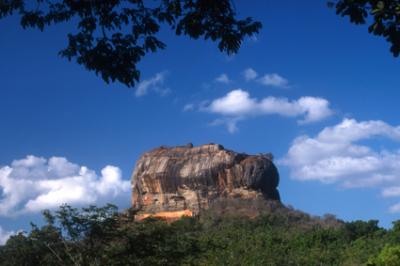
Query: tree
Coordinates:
[69,237]
[114,35]
[383,17]
[389,256]
[360,228]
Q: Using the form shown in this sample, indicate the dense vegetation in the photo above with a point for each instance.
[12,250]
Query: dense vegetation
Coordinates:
[279,236]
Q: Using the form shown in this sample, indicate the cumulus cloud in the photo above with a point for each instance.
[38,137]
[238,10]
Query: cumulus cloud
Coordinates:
[250,74]
[155,84]
[235,103]
[274,80]
[35,183]
[339,154]
[4,235]
[223,78]
[238,104]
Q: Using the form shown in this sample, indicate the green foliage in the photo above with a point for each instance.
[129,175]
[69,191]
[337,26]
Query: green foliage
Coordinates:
[383,17]
[114,35]
[389,256]
[279,236]
[357,229]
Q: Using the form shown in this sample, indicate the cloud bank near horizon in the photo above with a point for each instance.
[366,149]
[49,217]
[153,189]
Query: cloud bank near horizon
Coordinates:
[342,154]
[34,183]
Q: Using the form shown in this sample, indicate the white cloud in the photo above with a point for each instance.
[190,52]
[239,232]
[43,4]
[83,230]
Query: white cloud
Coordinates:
[238,104]
[34,183]
[223,78]
[4,235]
[269,79]
[250,74]
[235,103]
[395,208]
[155,83]
[274,80]
[391,191]
[188,107]
[229,122]
[336,155]
[316,109]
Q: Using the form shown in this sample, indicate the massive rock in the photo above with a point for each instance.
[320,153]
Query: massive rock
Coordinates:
[175,181]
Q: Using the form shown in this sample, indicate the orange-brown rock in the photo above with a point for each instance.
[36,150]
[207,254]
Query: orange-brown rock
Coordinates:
[169,216]
[175,181]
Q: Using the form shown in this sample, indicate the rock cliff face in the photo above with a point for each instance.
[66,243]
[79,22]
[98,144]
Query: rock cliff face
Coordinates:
[183,180]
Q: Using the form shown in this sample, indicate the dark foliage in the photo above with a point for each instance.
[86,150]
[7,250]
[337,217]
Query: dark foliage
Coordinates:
[221,236]
[114,35]
[382,16]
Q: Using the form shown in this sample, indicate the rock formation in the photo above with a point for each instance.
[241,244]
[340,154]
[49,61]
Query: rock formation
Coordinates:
[171,182]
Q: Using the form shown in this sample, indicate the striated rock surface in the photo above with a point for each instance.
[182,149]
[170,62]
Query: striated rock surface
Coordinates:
[183,180]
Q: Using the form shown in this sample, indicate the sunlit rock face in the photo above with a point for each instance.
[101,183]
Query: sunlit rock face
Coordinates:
[186,179]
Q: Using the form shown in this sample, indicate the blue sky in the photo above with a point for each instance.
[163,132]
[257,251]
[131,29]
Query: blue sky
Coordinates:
[320,94]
